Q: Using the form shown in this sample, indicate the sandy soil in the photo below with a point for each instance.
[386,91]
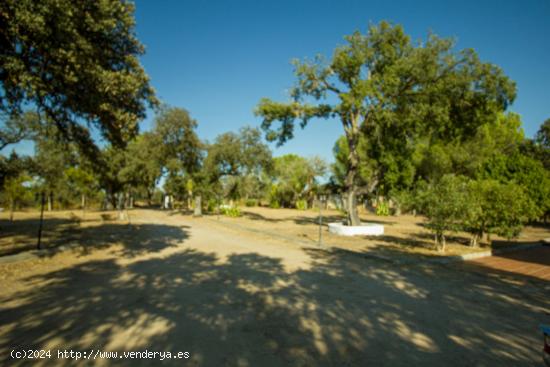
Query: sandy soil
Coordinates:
[235,298]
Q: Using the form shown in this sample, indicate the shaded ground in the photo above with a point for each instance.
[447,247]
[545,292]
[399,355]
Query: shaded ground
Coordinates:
[233,298]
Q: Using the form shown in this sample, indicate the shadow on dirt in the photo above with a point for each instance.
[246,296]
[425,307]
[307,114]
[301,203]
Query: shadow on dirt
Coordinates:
[136,239]
[248,310]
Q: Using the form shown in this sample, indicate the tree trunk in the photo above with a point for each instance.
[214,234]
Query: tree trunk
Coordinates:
[38,243]
[198,206]
[474,240]
[120,205]
[350,181]
[83,203]
[149,197]
[50,201]
[351,208]
[12,209]
[440,243]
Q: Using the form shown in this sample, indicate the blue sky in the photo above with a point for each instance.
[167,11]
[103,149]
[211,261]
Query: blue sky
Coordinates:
[218,58]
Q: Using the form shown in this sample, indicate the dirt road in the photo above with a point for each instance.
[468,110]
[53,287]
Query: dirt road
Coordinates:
[232,298]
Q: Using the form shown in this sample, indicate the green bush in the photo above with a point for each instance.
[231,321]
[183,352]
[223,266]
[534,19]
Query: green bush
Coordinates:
[301,205]
[443,203]
[274,204]
[251,202]
[232,212]
[211,205]
[383,209]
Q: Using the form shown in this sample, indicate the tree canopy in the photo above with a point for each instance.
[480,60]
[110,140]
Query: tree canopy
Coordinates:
[381,85]
[77,63]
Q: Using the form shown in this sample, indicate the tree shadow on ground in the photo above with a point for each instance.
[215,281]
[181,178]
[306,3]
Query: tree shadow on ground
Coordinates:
[411,241]
[135,239]
[256,216]
[249,310]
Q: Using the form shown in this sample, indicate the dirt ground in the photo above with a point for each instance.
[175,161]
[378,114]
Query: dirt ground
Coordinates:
[232,297]
[404,235]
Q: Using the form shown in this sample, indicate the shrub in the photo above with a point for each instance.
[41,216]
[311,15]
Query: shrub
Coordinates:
[301,204]
[444,204]
[383,209]
[231,211]
[251,202]
[211,205]
[494,207]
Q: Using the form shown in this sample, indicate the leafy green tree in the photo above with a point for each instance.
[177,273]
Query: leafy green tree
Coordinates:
[495,207]
[524,171]
[543,134]
[17,128]
[52,157]
[81,181]
[539,147]
[143,168]
[78,63]
[295,178]
[181,151]
[443,203]
[467,157]
[238,162]
[381,85]
[14,165]
[15,190]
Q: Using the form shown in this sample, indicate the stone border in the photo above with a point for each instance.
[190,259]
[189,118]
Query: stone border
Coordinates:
[365,229]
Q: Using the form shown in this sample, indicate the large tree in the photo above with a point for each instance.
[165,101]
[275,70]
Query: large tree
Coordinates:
[382,85]
[77,62]
[181,151]
[236,163]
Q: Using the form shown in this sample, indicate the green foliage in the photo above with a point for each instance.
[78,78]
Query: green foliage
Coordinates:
[383,209]
[211,205]
[301,205]
[404,200]
[231,211]
[180,147]
[18,128]
[78,62]
[295,178]
[236,164]
[382,86]
[524,171]
[251,202]
[274,204]
[494,207]
[17,190]
[443,203]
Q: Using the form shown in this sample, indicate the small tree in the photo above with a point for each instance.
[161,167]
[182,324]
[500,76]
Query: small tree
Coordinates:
[443,203]
[494,207]
[82,182]
[16,191]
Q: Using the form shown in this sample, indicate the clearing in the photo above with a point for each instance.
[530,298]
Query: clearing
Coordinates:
[236,297]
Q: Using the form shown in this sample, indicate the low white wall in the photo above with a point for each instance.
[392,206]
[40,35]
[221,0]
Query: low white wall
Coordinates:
[362,230]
